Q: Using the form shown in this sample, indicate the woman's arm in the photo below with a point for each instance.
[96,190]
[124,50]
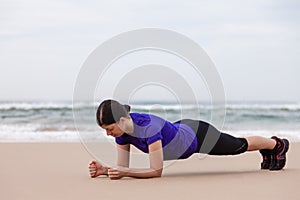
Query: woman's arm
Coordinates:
[123,155]
[155,170]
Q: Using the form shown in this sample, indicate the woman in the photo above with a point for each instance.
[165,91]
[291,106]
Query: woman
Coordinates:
[164,140]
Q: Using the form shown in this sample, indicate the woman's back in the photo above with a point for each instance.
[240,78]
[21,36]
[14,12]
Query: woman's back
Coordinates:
[178,140]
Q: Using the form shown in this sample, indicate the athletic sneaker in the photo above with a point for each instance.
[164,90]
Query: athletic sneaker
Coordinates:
[278,157]
[266,155]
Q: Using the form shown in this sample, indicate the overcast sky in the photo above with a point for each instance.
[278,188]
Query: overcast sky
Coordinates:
[254,44]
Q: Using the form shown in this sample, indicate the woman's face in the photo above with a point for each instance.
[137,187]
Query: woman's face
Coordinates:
[113,130]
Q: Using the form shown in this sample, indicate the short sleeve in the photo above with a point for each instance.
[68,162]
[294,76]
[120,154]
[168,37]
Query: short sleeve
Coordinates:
[121,140]
[154,138]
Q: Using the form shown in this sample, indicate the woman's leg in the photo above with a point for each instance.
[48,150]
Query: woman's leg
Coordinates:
[214,142]
[260,143]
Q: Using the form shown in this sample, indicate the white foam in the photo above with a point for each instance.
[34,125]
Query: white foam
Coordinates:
[29,106]
[258,106]
[164,107]
[290,106]
[171,106]
[66,136]
[41,105]
[13,128]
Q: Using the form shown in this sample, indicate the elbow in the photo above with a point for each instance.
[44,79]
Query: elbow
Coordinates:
[158,173]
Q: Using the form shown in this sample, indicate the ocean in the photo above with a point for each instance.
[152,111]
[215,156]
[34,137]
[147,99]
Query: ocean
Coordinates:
[54,121]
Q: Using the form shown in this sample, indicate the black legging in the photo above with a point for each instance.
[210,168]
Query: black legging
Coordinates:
[213,142]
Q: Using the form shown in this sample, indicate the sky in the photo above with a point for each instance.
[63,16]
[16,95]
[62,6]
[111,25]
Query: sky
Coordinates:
[255,44]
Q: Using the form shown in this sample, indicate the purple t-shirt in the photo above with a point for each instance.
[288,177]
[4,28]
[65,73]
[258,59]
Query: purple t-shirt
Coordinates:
[178,140]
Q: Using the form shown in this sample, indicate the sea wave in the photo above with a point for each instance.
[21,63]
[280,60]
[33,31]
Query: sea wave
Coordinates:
[149,106]
[287,107]
[43,106]
[159,107]
[40,119]
[12,128]
[33,106]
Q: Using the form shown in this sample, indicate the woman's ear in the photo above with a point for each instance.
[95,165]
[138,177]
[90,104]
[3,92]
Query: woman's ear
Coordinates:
[122,119]
[122,123]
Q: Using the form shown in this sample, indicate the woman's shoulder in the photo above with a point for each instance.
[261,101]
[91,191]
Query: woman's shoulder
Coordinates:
[141,119]
[144,119]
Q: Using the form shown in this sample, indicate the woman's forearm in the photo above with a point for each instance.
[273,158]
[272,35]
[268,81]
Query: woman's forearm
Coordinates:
[143,173]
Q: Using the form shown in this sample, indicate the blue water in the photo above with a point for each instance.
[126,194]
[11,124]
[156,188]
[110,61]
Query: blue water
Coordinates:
[54,121]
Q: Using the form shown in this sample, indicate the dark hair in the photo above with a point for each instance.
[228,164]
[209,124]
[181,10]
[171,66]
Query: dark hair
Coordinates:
[110,111]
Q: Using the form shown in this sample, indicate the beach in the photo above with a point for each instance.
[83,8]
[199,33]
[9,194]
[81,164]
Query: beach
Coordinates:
[60,171]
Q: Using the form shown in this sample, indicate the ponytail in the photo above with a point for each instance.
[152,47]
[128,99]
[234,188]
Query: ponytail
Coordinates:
[127,108]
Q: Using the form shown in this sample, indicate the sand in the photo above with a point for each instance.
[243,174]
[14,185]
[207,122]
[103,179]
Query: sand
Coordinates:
[59,171]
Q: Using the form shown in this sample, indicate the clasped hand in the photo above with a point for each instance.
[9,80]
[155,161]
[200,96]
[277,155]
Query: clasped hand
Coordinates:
[96,169]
